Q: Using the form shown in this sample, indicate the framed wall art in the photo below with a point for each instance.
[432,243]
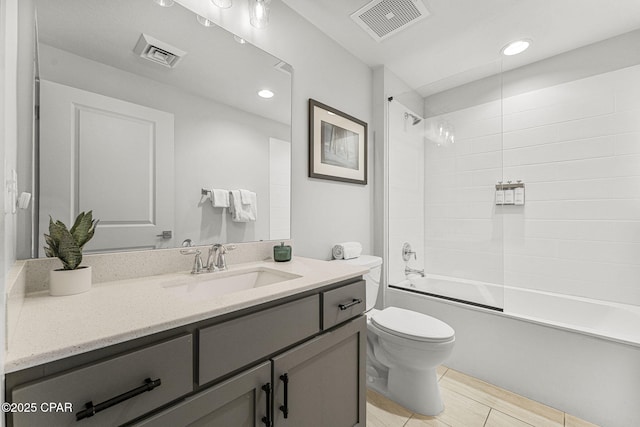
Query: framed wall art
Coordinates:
[337,145]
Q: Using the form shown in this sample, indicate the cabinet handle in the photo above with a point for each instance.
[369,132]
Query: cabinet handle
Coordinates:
[91,409]
[267,389]
[285,408]
[349,305]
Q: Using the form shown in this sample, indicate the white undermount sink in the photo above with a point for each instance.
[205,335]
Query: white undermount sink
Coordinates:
[207,285]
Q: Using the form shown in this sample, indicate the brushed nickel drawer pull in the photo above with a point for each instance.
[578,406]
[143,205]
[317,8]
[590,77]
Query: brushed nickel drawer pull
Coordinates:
[349,305]
[90,410]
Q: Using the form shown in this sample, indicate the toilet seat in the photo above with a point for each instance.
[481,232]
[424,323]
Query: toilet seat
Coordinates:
[412,325]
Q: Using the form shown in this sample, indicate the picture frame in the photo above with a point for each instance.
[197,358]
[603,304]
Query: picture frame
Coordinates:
[337,145]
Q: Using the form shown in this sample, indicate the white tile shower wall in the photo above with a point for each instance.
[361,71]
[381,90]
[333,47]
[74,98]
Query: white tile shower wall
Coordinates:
[463,234]
[406,191]
[576,146]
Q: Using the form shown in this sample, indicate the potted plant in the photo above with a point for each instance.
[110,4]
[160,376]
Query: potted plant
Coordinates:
[67,244]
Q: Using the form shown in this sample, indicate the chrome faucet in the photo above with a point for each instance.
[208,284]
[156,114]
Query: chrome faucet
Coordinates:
[216,261]
[408,270]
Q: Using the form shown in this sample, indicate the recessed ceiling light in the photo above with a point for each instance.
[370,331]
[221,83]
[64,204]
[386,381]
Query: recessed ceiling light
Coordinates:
[164,3]
[516,47]
[265,93]
[223,4]
[239,39]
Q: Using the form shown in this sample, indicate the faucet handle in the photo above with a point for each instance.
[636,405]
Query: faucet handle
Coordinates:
[407,252]
[197,263]
[223,248]
[220,261]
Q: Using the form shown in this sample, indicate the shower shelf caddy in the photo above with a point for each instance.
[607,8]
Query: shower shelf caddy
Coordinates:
[516,198]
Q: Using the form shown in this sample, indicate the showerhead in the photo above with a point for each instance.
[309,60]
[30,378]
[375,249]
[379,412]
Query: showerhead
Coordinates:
[415,118]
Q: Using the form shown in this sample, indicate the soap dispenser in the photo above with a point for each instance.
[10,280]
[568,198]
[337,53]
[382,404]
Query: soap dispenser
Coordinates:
[282,253]
[509,194]
[519,194]
[499,194]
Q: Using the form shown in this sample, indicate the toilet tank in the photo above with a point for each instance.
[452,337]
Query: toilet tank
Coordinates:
[372,278]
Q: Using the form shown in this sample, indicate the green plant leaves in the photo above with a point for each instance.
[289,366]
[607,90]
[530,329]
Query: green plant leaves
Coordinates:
[83,228]
[67,244]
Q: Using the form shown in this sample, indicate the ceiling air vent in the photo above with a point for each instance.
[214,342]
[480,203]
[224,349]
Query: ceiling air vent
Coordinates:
[384,18]
[157,51]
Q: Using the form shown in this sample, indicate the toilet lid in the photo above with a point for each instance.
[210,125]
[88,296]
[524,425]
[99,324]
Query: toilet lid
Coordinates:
[412,325]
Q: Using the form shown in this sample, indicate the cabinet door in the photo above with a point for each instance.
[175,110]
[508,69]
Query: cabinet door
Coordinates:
[323,380]
[241,401]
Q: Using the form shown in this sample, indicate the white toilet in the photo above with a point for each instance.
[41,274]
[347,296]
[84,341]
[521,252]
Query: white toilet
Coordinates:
[403,349]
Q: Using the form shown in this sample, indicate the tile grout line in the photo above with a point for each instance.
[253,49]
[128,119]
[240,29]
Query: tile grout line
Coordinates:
[487,419]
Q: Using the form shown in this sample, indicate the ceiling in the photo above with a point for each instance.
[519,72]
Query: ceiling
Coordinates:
[460,41]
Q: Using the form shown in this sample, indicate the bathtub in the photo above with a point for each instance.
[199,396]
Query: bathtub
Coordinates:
[578,355]
[607,320]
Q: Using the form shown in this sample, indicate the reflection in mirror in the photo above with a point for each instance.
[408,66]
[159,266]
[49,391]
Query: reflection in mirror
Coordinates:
[136,136]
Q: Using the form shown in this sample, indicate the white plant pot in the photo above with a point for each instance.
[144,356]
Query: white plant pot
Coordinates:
[69,282]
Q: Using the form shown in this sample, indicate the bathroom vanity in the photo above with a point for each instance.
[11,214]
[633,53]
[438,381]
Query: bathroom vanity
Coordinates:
[292,353]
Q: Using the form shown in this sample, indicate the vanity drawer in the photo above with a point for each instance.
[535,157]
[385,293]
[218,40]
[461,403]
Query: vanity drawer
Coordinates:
[171,362]
[343,303]
[231,345]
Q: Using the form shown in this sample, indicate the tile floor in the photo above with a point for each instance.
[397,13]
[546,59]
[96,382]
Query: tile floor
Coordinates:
[470,402]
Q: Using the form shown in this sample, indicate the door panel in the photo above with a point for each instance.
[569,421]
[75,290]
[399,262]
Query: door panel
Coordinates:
[325,380]
[238,402]
[112,157]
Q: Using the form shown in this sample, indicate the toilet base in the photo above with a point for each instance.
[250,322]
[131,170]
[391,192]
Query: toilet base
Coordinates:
[418,391]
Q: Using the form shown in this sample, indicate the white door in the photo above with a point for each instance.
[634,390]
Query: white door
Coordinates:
[113,157]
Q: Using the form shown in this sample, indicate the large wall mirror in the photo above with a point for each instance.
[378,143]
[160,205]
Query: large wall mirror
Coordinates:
[142,110]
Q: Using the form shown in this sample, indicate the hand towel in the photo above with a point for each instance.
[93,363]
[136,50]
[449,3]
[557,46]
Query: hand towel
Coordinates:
[243,212]
[347,250]
[220,198]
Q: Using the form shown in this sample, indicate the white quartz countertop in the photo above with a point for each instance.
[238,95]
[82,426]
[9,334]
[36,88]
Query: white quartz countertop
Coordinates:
[52,328]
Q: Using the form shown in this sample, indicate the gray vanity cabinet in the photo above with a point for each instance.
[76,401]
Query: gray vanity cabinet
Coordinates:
[297,362]
[321,383]
[242,401]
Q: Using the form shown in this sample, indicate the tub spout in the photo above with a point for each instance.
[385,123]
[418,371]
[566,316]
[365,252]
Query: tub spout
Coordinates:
[409,270]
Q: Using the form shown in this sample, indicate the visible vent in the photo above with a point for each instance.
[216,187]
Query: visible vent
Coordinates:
[284,67]
[384,18]
[157,51]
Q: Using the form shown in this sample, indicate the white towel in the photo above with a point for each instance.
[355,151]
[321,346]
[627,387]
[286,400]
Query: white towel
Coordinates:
[220,198]
[347,250]
[240,211]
